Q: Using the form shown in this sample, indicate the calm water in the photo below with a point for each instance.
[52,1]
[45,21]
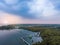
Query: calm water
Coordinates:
[18,37]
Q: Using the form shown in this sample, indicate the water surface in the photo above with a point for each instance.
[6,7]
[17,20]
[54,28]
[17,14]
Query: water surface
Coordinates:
[17,37]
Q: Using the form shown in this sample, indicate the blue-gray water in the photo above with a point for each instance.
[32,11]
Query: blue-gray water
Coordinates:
[17,37]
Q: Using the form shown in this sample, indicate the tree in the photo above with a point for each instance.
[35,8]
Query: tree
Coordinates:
[50,37]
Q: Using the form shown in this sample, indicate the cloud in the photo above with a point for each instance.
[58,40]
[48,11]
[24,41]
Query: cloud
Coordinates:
[42,8]
[19,9]
[6,7]
[11,2]
[39,9]
[56,3]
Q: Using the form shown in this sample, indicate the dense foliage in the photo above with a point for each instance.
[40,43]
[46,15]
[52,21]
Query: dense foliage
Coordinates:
[50,37]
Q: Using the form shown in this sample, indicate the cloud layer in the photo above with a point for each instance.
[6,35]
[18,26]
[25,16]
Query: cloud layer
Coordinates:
[43,8]
[11,2]
[47,11]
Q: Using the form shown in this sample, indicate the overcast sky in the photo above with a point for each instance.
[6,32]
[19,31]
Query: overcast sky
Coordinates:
[29,11]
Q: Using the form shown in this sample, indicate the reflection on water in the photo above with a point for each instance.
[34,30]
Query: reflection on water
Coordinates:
[18,37]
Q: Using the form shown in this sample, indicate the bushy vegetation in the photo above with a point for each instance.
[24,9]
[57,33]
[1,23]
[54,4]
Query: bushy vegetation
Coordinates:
[50,37]
[6,27]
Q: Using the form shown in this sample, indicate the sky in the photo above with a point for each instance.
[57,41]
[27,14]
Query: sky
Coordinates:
[29,12]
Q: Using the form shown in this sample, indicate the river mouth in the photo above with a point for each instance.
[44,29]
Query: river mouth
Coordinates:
[18,37]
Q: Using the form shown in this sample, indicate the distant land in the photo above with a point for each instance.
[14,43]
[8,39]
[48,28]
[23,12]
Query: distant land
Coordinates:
[50,33]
